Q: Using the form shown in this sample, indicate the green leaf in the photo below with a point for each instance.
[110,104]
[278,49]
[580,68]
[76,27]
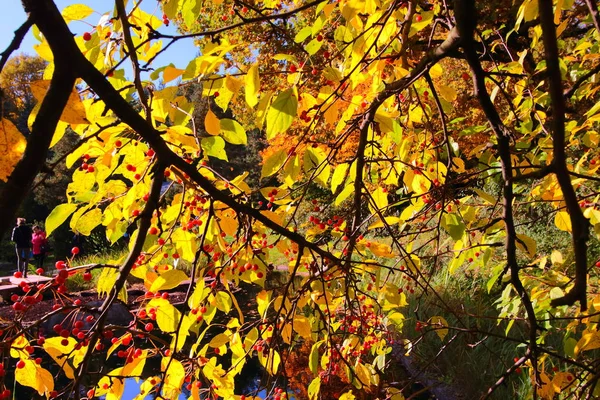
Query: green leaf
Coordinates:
[303,34]
[214,147]
[282,113]
[233,132]
[313,359]
[58,216]
[168,280]
[313,46]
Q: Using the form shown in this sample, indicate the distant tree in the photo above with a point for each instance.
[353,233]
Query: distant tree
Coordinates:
[15,88]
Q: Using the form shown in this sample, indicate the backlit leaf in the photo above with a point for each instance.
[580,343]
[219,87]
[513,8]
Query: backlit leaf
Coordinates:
[59,214]
[212,125]
[76,12]
[12,147]
[282,113]
[252,85]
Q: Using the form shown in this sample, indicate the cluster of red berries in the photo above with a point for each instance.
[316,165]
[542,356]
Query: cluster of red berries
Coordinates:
[85,165]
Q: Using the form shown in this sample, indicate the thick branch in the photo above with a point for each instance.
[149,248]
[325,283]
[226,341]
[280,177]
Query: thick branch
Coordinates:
[20,181]
[579,223]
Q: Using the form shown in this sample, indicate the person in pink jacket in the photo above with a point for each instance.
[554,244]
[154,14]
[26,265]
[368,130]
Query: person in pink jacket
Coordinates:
[38,242]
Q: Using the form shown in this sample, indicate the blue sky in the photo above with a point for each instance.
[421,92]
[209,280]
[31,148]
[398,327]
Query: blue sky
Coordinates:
[12,16]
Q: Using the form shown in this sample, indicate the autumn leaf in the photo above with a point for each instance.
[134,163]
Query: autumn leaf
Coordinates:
[12,146]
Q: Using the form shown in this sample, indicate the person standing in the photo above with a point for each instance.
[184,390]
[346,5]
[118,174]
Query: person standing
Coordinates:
[21,236]
[39,244]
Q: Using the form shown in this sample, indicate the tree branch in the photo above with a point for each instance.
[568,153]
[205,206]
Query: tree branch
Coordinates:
[63,80]
[16,42]
[580,224]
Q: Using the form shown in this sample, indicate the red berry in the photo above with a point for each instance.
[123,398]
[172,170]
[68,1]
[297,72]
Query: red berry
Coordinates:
[465,76]
[314,71]
[75,250]
[244,9]
[18,274]
[118,143]
[87,36]
[153,230]
[216,94]
[418,18]
[60,265]
[90,168]
[150,153]
[87,276]
[319,37]
[149,326]
[224,18]
[39,271]
[21,364]
[293,68]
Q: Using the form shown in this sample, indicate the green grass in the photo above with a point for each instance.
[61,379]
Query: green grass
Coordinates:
[469,361]
[77,283]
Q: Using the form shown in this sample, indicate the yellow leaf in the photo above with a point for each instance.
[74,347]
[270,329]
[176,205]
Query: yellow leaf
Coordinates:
[212,123]
[447,92]
[175,375]
[263,301]
[556,257]
[76,12]
[273,163]
[526,244]
[252,85]
[171,73]
[314,388]
[88,221]
[381,250]
[282,113]
[546,391]
[34,376]
[347,396]
[590,340]
[563,221]
[380,198]
[167,316]
[439,321]
[219,340]
[58,352]
[302,326]
[74,111]
[12,147]
[168,280]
